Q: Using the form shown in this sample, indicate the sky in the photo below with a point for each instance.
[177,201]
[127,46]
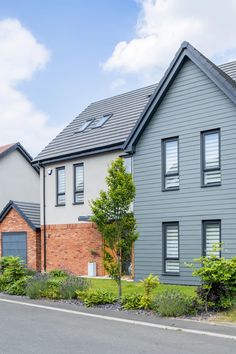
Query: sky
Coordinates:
[57,56]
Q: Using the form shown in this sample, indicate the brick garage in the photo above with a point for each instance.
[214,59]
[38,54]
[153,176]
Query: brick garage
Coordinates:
[72,246]
[21,219]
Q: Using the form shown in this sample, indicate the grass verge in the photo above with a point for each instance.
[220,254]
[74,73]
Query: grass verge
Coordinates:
[130,287]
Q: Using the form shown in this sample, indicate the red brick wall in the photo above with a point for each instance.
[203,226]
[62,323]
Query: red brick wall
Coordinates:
[13,222]
[69,247]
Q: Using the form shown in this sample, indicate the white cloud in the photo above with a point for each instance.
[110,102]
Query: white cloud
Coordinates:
[117,83]
[20,56]
[163,25]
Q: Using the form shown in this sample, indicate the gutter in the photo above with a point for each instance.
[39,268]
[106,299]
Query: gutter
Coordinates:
[44,221]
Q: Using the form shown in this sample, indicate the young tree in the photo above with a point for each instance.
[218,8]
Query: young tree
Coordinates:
[115,220]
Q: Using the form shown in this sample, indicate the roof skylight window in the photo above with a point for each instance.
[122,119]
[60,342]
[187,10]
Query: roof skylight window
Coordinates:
[85,125]
[101,121]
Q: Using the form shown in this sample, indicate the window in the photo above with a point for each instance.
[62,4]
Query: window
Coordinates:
[101,121]
[171,247]
[85,125]
[211,174]
[61,186]
[14,244]
[79,183]
[211,236]
[128,163]
[171,163]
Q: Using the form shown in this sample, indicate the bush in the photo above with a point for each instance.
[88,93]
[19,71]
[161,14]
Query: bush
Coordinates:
[173,303]
[70,286]
[18,287]
[150,283]
[96,297]
[218,278]
[13,275]
[37,286]
[131,302]
[58,273]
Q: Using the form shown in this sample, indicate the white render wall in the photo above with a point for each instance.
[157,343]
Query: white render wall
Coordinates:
[95,171]
[18,180]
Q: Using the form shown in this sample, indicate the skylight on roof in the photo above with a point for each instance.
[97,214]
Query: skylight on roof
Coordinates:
[85,125]
[101,121]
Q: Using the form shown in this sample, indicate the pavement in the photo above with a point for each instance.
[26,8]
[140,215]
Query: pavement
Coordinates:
[42,327]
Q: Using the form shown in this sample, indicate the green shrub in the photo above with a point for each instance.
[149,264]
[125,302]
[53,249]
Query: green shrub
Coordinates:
[173,303]
[13,275]
[96,297]
[218,278]
[58,273]
[131,302]
[18,287]
[70,286]
[37,286]
[150,283]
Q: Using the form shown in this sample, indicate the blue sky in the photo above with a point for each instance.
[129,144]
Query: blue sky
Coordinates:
[79,35]
[57,56]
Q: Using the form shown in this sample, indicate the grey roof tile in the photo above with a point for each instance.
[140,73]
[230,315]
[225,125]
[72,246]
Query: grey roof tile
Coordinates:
[29,211]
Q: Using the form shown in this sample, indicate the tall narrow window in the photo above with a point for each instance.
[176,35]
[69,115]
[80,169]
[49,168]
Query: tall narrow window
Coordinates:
[211,174]
[171,247]
[79,183]
[211,237]
[171,163]
[61,186]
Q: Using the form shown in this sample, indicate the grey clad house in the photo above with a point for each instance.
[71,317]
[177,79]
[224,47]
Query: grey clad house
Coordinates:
[184,167]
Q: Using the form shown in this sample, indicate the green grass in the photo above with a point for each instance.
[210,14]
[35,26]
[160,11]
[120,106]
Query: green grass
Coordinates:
[130,287]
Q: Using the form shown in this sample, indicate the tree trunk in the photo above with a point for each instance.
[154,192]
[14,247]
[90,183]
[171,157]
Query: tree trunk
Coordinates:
[119,282]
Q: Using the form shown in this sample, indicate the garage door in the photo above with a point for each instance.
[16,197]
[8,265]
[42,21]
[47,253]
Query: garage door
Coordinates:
[14,244]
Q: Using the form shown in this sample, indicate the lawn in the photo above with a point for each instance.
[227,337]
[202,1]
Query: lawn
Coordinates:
[130,287]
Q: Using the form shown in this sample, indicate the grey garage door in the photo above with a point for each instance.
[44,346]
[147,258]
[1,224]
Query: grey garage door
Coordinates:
[14,244]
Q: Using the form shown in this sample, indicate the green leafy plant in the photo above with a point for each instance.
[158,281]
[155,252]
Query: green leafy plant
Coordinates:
[115,221]
[58,273]
[173,303]
[149,284]
[94,297]
[37,286]
[13,275]
[131,301]
[218,281]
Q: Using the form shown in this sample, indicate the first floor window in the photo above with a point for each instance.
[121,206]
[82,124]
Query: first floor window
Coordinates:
[171,247]
[171,163]
[61,186]
[211,237]
[79,183]
[211,173]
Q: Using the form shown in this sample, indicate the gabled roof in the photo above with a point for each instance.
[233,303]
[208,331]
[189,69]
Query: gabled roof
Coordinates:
[225,83]
[125,109]
[7,149]
[30,212]
[128,110]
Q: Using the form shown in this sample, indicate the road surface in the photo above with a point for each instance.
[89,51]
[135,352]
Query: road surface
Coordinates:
[36,330]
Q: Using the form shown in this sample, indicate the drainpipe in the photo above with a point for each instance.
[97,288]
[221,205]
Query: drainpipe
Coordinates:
[44,222]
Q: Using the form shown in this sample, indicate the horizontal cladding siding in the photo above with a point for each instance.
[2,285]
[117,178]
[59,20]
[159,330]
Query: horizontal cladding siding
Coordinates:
[193,104]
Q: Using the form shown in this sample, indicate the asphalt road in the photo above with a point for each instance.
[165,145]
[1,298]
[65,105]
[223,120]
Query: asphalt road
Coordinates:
[30,330]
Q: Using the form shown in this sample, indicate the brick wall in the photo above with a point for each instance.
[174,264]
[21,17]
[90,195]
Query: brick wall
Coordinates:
[13,222]
[72,246]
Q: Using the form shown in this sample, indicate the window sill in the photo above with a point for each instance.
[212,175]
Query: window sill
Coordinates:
[60,205]
[169,274]
[171,189]
[79,203]
[210,185]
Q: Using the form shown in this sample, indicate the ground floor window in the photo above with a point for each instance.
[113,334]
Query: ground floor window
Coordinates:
[171,247]
[14,244]
[211,237]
